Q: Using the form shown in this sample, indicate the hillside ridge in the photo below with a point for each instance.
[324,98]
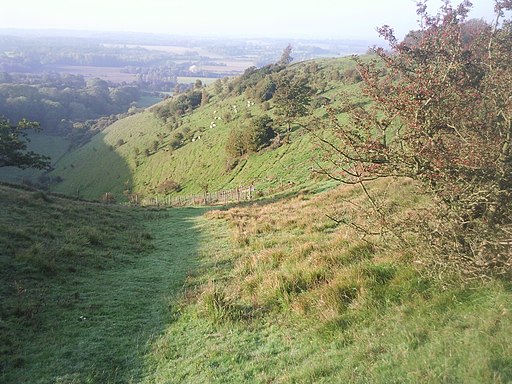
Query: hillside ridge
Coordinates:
[145,153]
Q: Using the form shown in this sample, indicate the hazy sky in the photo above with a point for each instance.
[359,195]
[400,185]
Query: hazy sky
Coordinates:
[238,18]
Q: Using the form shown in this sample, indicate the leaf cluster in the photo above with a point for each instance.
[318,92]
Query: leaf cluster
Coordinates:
[13,146]
[441,113]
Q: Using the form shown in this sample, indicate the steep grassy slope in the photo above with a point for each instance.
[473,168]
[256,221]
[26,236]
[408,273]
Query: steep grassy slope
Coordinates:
[135,153]
[103,165]
[53,146]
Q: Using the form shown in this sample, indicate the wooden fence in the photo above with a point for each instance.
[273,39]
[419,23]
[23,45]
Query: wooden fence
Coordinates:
[235,195]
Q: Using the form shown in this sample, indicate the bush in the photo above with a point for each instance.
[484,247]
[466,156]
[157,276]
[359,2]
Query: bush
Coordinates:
[442,116]
[257,135]
[168,186]
[108,198]
[176,140]
[352,76]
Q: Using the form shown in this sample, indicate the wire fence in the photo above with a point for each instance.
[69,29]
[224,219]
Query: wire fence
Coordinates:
[235,195]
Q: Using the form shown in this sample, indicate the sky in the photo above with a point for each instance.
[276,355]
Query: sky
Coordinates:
[322,19]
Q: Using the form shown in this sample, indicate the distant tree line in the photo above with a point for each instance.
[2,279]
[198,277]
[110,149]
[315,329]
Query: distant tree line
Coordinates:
[57,101]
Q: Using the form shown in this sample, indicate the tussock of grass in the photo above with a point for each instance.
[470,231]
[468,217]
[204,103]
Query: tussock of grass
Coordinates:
[298,298]
[294,257]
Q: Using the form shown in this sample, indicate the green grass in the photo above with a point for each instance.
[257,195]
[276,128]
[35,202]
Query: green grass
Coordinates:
[86,287]
[48,145]
[297,301]
[268,292]
[103,166]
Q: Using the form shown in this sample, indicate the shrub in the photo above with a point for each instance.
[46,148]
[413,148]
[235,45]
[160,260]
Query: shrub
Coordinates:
[352,76]
[258,134]
[108,198]
[441,115]
[168,186]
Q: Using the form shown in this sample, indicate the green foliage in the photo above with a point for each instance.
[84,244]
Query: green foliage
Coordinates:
[236,144]
[352,76]
[257,79]
[64,99]
[13,146]
[259,133]
[180,105]
[176,140]
[263,90]
[292,97]
[256,135]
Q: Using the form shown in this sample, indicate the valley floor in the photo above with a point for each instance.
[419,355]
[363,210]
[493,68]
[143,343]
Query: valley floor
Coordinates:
[214,300]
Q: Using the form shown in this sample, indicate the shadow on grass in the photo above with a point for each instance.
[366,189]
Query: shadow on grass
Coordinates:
[286,194]
[93,170]
[98,325]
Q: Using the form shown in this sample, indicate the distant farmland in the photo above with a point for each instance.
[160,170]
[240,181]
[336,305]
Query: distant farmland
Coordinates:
[112,74]
[192,79]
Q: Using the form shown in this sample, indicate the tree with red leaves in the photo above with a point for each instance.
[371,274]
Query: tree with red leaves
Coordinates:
[440,112]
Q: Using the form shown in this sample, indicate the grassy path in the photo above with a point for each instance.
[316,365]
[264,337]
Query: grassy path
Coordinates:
[105,333]
[115,317]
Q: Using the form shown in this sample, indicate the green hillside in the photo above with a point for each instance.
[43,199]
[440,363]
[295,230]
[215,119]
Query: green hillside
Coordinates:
[50,145]
[139,153]
[395,268]
[269,292]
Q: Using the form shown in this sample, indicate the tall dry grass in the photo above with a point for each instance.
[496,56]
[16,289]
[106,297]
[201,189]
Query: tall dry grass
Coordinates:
[316,255]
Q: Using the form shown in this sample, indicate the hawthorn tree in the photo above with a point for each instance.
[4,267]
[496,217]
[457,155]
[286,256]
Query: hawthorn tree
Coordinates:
[440,112]
[292,98]
[13,146]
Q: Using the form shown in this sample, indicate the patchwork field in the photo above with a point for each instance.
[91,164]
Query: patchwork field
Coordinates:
[113,74]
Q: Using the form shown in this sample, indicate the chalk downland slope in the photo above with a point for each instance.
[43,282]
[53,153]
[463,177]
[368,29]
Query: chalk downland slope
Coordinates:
[140,153]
